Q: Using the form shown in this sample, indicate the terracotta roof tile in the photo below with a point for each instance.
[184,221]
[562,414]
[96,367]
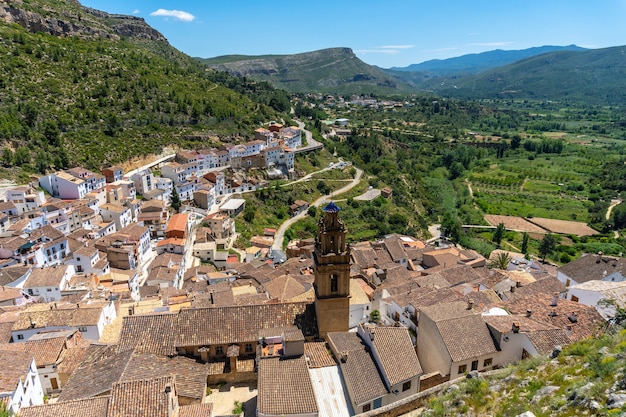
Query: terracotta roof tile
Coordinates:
[145,398]
[15,366]
[196,410]
[162,333]
[292,393]
[396,353]
[464,332]
[357,367]
[318,355]
[45,351]
[88,407]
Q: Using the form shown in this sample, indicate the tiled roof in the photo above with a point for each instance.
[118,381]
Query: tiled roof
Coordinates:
[72,358]
[549,285]
[191,376]
[463,331]
[318,355]
[358,368]
[586,323]
[546,340]
[196,410]
[162,333]
[396,353]
[13,367]
[13,273]
[145,398]
[96,378]
[45,351]
[88,407]
[284,288]
[593,267]
[285,387]
[459,274]
[46,277]
[83,316]
[395,249]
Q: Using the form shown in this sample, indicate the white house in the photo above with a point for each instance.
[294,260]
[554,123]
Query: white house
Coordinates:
[48,282]
[26,198]
[144,181]
[453,340]
[604,296]
[20,385]
[89,318]
[120,215]
[592,267]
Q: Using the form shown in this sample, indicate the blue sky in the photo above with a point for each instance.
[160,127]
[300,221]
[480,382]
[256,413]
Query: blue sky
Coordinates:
[384,33]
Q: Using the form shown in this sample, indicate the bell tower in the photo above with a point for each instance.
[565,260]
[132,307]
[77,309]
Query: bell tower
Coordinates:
[332,273]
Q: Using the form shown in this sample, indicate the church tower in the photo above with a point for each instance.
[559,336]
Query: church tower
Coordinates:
[332,273]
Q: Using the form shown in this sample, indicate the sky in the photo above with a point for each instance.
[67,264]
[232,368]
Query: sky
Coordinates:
[390,33]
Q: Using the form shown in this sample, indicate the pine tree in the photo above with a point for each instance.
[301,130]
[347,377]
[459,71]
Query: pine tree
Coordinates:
[175,202]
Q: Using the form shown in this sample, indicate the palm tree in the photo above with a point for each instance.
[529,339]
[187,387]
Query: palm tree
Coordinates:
[501,261]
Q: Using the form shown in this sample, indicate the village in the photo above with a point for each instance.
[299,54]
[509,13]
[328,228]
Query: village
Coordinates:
[111,300]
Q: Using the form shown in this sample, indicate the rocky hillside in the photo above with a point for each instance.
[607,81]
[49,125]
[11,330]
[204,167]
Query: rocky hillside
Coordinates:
[72,19]
[336,70]
[585,379]
[84,87]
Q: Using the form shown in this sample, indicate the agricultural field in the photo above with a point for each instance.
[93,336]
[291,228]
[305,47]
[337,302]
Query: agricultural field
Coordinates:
[514,223]
[565,227]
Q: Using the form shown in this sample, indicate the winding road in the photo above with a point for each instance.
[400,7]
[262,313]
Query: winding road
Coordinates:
[279,237]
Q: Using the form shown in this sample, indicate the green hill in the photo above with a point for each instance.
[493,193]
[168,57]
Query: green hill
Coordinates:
[81,86]
[334,70]
[595,76]
[587,378]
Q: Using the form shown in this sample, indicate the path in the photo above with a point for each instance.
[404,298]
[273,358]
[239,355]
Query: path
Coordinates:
[280,232]
[613,204]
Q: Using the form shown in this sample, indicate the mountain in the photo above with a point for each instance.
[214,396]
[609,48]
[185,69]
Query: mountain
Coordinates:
[335,70]
[596,76]
[81,86]
[475,63]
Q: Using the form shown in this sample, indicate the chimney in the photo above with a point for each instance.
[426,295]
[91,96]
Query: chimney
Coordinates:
[518,284]
[344,356]
[599,258]
[529,313]
[573,317]
[513,288]
[470,304]
[515,327]
[555,300]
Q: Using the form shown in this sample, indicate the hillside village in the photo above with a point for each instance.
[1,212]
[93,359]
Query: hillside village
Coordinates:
[113,303]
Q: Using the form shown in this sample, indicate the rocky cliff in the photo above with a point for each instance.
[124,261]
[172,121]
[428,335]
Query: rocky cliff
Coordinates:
[76,20]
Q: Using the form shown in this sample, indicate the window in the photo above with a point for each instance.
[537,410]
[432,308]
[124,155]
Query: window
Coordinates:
[406,386]
[462,369]
[488,362]
[248,347]
[367,407]
[20,337]
[49,289]
[334,283]
[574,298]
[474,365]
[82,329]
[219,350]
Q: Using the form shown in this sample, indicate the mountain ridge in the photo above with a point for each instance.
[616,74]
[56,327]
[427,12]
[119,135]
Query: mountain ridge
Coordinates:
[309,71]
[472,63]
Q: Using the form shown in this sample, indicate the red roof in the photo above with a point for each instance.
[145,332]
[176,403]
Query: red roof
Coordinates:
[178,222]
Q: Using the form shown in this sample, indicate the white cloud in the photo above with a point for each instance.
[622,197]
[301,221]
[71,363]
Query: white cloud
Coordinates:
[177,14]
[136,11]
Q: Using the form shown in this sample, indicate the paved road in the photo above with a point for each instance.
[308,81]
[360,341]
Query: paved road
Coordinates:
[280,233]
[311,143]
